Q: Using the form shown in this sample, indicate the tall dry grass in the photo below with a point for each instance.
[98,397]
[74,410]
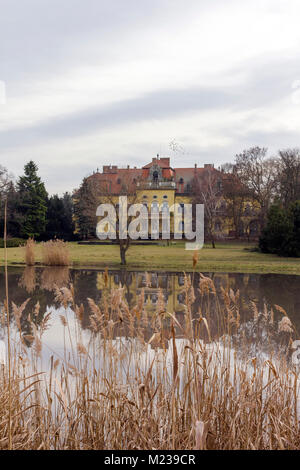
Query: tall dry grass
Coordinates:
[29,252]
[55,253]
[154,382]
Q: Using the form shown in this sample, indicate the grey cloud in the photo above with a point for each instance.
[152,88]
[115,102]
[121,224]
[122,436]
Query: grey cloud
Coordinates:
[266,84]
[157,105]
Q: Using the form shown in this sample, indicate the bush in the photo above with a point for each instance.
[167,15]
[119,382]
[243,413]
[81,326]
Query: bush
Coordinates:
[12,242]
[56,253]
[282,233]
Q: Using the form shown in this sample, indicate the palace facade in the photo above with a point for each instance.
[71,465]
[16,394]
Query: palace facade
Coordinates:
[158,183]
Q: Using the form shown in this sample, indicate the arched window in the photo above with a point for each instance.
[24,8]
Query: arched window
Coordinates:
[181,180]
[155,175]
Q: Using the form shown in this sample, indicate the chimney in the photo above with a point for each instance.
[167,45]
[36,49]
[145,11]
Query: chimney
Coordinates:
[195,166]
[128,166]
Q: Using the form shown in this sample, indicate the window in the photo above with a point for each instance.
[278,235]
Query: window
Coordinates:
[154,197]
[181,180]
[118,181]
[145,197]
[181,226]
[165,196]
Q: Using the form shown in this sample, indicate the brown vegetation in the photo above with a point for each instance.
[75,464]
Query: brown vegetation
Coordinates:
[55,253]
[154,382]
[29,252]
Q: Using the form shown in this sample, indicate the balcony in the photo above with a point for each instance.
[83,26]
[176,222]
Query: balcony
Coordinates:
[156,184]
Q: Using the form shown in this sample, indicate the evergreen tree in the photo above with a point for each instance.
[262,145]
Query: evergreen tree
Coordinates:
[293,248]
[277,232]
[282,232]
[33,202]
[59,218]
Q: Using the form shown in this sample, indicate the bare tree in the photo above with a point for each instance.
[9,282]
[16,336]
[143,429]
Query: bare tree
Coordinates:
[207,190]
[6,180]
[258,174]
[238,201]
[289,176]
[106,195]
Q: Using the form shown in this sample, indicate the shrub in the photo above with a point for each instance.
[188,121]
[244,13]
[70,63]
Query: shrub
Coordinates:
[12,242]
[282,233]
[55,253]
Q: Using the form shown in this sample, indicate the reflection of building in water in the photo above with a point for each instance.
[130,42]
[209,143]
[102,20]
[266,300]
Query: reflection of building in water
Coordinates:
[170,284]
[172,287]
[271,289]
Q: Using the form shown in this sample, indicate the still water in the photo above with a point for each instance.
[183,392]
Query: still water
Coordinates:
[37,284]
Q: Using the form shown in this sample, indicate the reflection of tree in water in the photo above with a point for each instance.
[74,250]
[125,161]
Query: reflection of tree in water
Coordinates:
[38,285]
[284,291]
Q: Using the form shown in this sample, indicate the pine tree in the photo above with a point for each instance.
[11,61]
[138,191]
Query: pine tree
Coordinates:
[33,202]
[59,217]
[282,232]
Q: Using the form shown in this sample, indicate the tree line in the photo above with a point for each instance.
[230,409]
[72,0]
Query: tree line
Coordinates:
[31,212]
[255,187]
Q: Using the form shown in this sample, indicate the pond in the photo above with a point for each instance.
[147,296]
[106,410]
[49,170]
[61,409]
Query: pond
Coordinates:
[37,285]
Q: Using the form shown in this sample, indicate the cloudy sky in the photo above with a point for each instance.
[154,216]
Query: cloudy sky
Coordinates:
[93,82]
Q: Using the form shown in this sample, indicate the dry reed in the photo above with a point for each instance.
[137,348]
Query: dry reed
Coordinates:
[55,253]
[29,252]
[155,383]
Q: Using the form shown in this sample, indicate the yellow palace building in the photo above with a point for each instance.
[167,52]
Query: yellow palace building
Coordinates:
[158,184]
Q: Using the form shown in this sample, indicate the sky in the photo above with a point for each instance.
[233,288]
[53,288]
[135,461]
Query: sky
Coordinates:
[89,83]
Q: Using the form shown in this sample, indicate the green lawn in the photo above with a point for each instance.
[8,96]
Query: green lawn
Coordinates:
[231,257]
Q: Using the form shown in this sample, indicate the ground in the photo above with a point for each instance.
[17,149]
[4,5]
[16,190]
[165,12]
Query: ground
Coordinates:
[230,257]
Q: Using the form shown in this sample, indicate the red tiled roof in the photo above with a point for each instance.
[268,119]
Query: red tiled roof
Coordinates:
[115,176]
[162,162]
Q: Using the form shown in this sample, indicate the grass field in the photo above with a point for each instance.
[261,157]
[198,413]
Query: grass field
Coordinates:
[230,257]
